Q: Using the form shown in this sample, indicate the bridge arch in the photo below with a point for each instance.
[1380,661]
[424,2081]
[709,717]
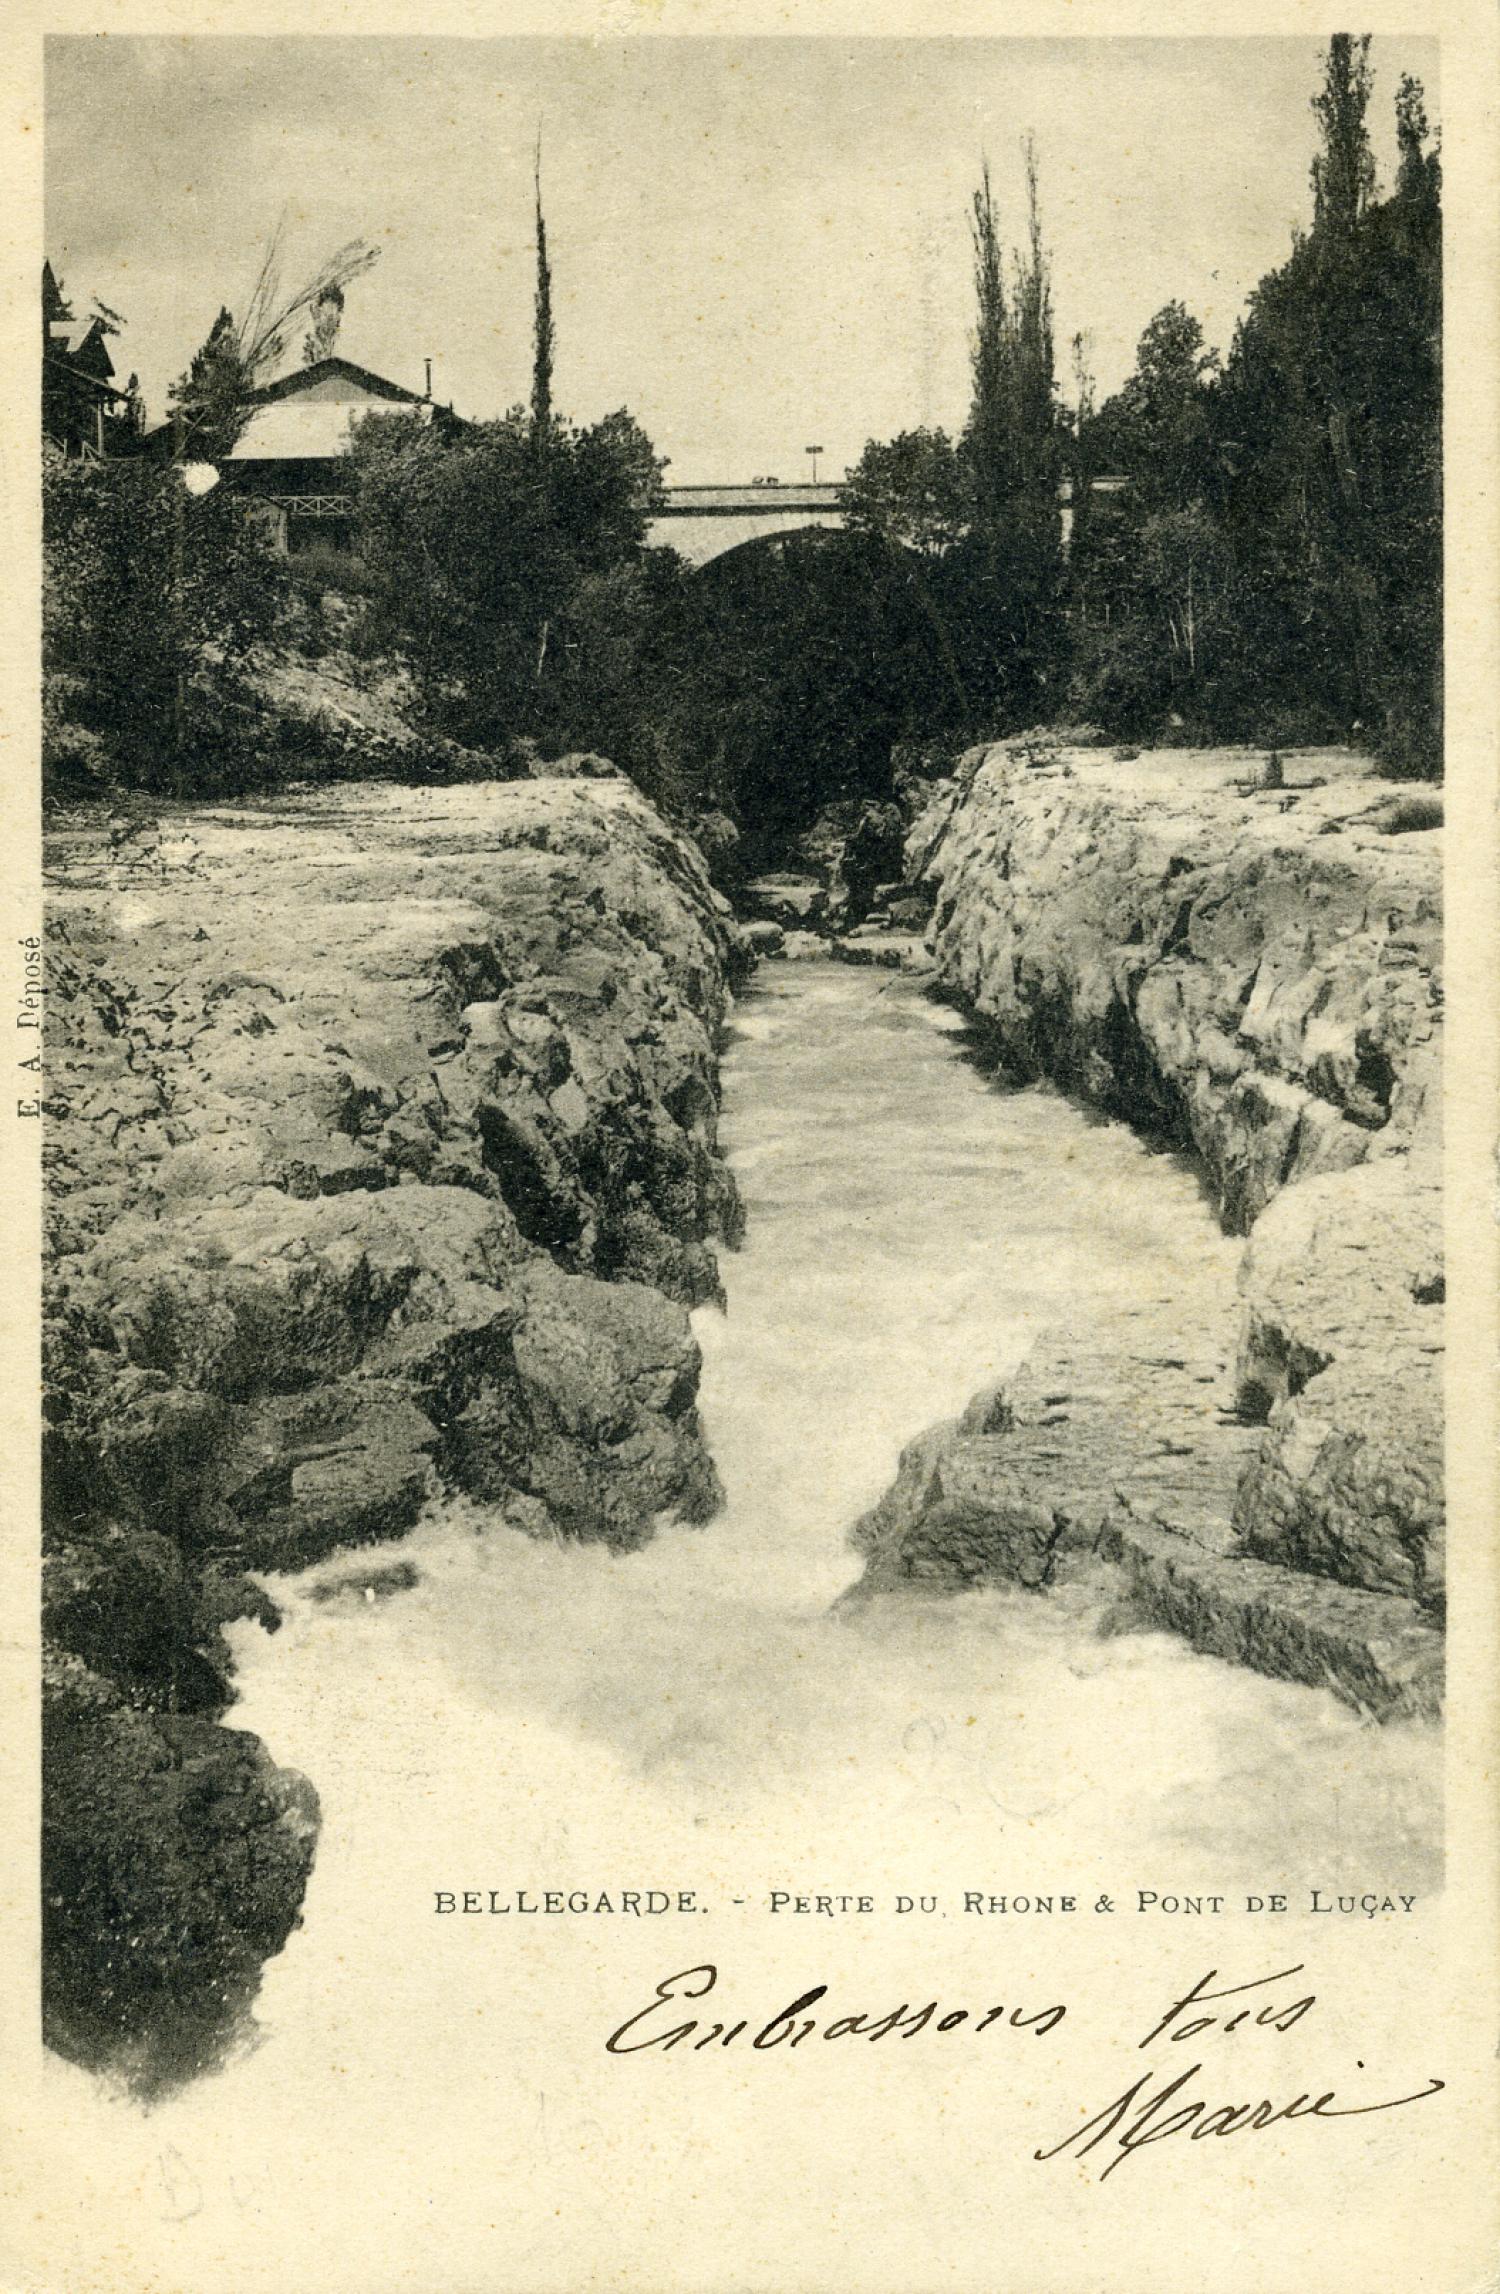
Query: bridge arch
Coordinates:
[733,552]
[706,522]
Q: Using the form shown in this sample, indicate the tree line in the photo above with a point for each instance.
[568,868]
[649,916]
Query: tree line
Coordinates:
[1271,566]
[1265,563]
[1274,569]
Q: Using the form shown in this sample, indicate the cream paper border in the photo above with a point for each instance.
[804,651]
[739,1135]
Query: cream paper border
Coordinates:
[1429,2218]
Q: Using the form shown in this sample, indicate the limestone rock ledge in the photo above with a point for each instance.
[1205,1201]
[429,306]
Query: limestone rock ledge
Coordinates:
[381,1158]
[1252,973]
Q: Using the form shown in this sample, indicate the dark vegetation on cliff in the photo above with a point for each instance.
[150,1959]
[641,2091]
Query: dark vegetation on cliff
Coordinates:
[1274,570]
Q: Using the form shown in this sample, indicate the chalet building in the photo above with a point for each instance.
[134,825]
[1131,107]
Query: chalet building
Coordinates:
[293,452]
[85,413]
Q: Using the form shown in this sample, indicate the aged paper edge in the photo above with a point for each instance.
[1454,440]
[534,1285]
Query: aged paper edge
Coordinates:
[1471,158]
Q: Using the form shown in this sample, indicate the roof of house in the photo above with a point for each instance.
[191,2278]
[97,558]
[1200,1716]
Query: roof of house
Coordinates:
[81,375]
[304,381]
[307,415]
[54,303]
[290,432]
[91,352]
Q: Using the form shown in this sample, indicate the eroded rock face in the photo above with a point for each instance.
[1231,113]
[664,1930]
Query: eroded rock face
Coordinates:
[1255,972]
[381,1153]
[1341,1350]
[1119,1460]
[1252,972]
[174,1858]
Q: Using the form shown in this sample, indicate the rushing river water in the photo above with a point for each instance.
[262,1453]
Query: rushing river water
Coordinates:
[692,1716]
[912,1230]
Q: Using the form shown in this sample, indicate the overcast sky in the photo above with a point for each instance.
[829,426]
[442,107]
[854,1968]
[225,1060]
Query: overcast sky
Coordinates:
[756,244]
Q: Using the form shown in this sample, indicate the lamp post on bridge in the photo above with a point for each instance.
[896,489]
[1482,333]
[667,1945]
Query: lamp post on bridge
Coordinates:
[814,451]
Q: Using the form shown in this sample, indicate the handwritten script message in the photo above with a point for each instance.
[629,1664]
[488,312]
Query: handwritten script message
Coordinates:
[1166,2099]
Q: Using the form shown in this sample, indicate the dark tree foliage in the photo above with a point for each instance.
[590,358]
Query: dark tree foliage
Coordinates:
[1275,569]
[783,674]
[544,335]
[327,317]
[981,517]
[1006,584]
[912,491]
[1343,173]
[211,402]
[1329,423]
[1150,575]
[152,602]
[1157,426]
[990,443]
[506,577]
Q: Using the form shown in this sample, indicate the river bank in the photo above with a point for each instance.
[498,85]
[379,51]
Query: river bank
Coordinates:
[380,1158]
[1247,965]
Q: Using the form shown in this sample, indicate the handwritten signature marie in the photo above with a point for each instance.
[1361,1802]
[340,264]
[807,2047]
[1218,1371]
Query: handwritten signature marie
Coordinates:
[1152,2109]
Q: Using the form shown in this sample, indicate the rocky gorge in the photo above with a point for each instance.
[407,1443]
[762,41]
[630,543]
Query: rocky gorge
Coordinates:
[1243,960]
[383,1168]
[381,1160]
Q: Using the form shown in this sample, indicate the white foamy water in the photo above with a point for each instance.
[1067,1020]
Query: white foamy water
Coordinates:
[692,1715]
[912,1231]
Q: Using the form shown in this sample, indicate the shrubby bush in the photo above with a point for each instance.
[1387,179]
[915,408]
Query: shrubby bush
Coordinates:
[507,568]
[152,603]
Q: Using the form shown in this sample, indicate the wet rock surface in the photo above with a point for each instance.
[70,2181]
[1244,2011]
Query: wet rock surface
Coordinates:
[174,1856]
[381,1156]
[1341,1349]
[847,899]
[1251,973]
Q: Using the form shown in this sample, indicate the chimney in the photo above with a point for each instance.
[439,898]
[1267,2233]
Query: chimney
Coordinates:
[428,364]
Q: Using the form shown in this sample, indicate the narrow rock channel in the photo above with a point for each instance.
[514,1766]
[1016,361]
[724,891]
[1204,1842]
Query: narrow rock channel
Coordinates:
[491,1169]
[907,1221]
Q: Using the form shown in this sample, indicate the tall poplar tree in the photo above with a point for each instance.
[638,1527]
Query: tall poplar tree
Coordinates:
[1038,448]
[543,334]
[1012,455]
[989,437]
[1343,173]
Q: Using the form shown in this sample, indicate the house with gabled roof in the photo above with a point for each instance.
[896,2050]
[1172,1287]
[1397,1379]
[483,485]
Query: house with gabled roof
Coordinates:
[85,413]
[293,451]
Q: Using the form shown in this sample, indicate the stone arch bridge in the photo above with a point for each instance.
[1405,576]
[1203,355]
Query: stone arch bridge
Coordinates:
[705,522]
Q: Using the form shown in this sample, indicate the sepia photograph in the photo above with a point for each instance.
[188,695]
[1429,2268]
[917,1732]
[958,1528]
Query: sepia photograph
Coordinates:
[737,1049]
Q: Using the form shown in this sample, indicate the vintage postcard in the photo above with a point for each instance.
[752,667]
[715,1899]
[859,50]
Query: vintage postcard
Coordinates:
[749,1121]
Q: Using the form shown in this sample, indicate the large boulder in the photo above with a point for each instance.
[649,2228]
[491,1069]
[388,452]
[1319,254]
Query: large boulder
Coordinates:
[174,1858]
[1341,1356]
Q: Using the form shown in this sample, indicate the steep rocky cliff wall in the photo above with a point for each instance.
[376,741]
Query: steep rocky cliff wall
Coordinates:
[1253,970]
[381,1158]
[1250,972]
